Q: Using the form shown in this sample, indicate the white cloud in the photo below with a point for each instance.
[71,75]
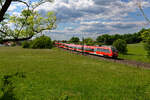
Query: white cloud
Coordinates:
[93,16]
[92,9]
[12,7]
[16,13]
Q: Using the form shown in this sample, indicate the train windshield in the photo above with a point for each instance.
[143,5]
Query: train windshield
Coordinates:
[114,49]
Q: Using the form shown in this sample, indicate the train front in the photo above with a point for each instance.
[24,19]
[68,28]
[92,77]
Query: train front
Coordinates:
[114,52]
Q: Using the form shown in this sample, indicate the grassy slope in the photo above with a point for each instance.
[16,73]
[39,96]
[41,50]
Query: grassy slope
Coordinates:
[51,74]
[136,52]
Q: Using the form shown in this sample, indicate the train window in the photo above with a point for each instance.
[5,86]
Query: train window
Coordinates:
[78,47]
[106,50]
[100,49]
[103,50]
[86,48]
[92,50]
[89,49]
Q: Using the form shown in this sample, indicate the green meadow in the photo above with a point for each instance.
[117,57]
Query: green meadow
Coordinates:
[59,75]
[136,52]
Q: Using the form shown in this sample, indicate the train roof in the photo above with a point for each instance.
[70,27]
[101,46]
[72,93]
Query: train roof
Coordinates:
[85,46]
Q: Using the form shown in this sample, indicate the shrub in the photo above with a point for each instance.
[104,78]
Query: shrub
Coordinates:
[26,44]
[42,42]
[13,44]
[121,46]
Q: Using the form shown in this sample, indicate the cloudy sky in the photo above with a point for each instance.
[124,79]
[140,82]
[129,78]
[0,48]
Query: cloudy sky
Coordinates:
[91,18]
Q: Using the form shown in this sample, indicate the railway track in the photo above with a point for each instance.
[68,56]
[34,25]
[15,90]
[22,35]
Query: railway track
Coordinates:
[121,61]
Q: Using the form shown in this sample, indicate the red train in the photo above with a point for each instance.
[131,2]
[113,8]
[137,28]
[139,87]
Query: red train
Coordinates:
[106,51]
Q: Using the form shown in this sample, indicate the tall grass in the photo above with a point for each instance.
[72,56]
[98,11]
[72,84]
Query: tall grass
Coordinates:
[58,75]
[136,52]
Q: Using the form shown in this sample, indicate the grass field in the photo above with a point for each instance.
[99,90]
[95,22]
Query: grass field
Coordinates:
[58,75]
[136,52]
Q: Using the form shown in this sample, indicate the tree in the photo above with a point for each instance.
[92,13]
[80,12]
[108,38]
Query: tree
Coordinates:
[74,40]
[106,39]
[25,26]
[147,47]
[42,42]
[4,5]
[145,35]
[146,39]
[121,46]
[88,41]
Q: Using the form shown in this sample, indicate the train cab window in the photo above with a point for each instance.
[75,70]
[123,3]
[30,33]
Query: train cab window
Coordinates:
[114,49]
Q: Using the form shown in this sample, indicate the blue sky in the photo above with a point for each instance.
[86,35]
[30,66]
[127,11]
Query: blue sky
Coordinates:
[91,18]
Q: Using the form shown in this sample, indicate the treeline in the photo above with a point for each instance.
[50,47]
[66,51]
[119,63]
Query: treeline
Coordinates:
[129,38]
[107,39]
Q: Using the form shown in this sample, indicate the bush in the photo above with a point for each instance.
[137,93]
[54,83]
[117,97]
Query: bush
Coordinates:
[13,44]
[43,42]
[121,46]
[26,44]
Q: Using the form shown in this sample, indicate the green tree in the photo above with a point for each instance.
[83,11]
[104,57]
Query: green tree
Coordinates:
[74,40]
[146,39]
[5,4]
[106,39]
[26,44]
[28,24]
[88,41]
[25,26]
[42,42]
[121,46]
[147,47]
[145,35]
[116,37]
